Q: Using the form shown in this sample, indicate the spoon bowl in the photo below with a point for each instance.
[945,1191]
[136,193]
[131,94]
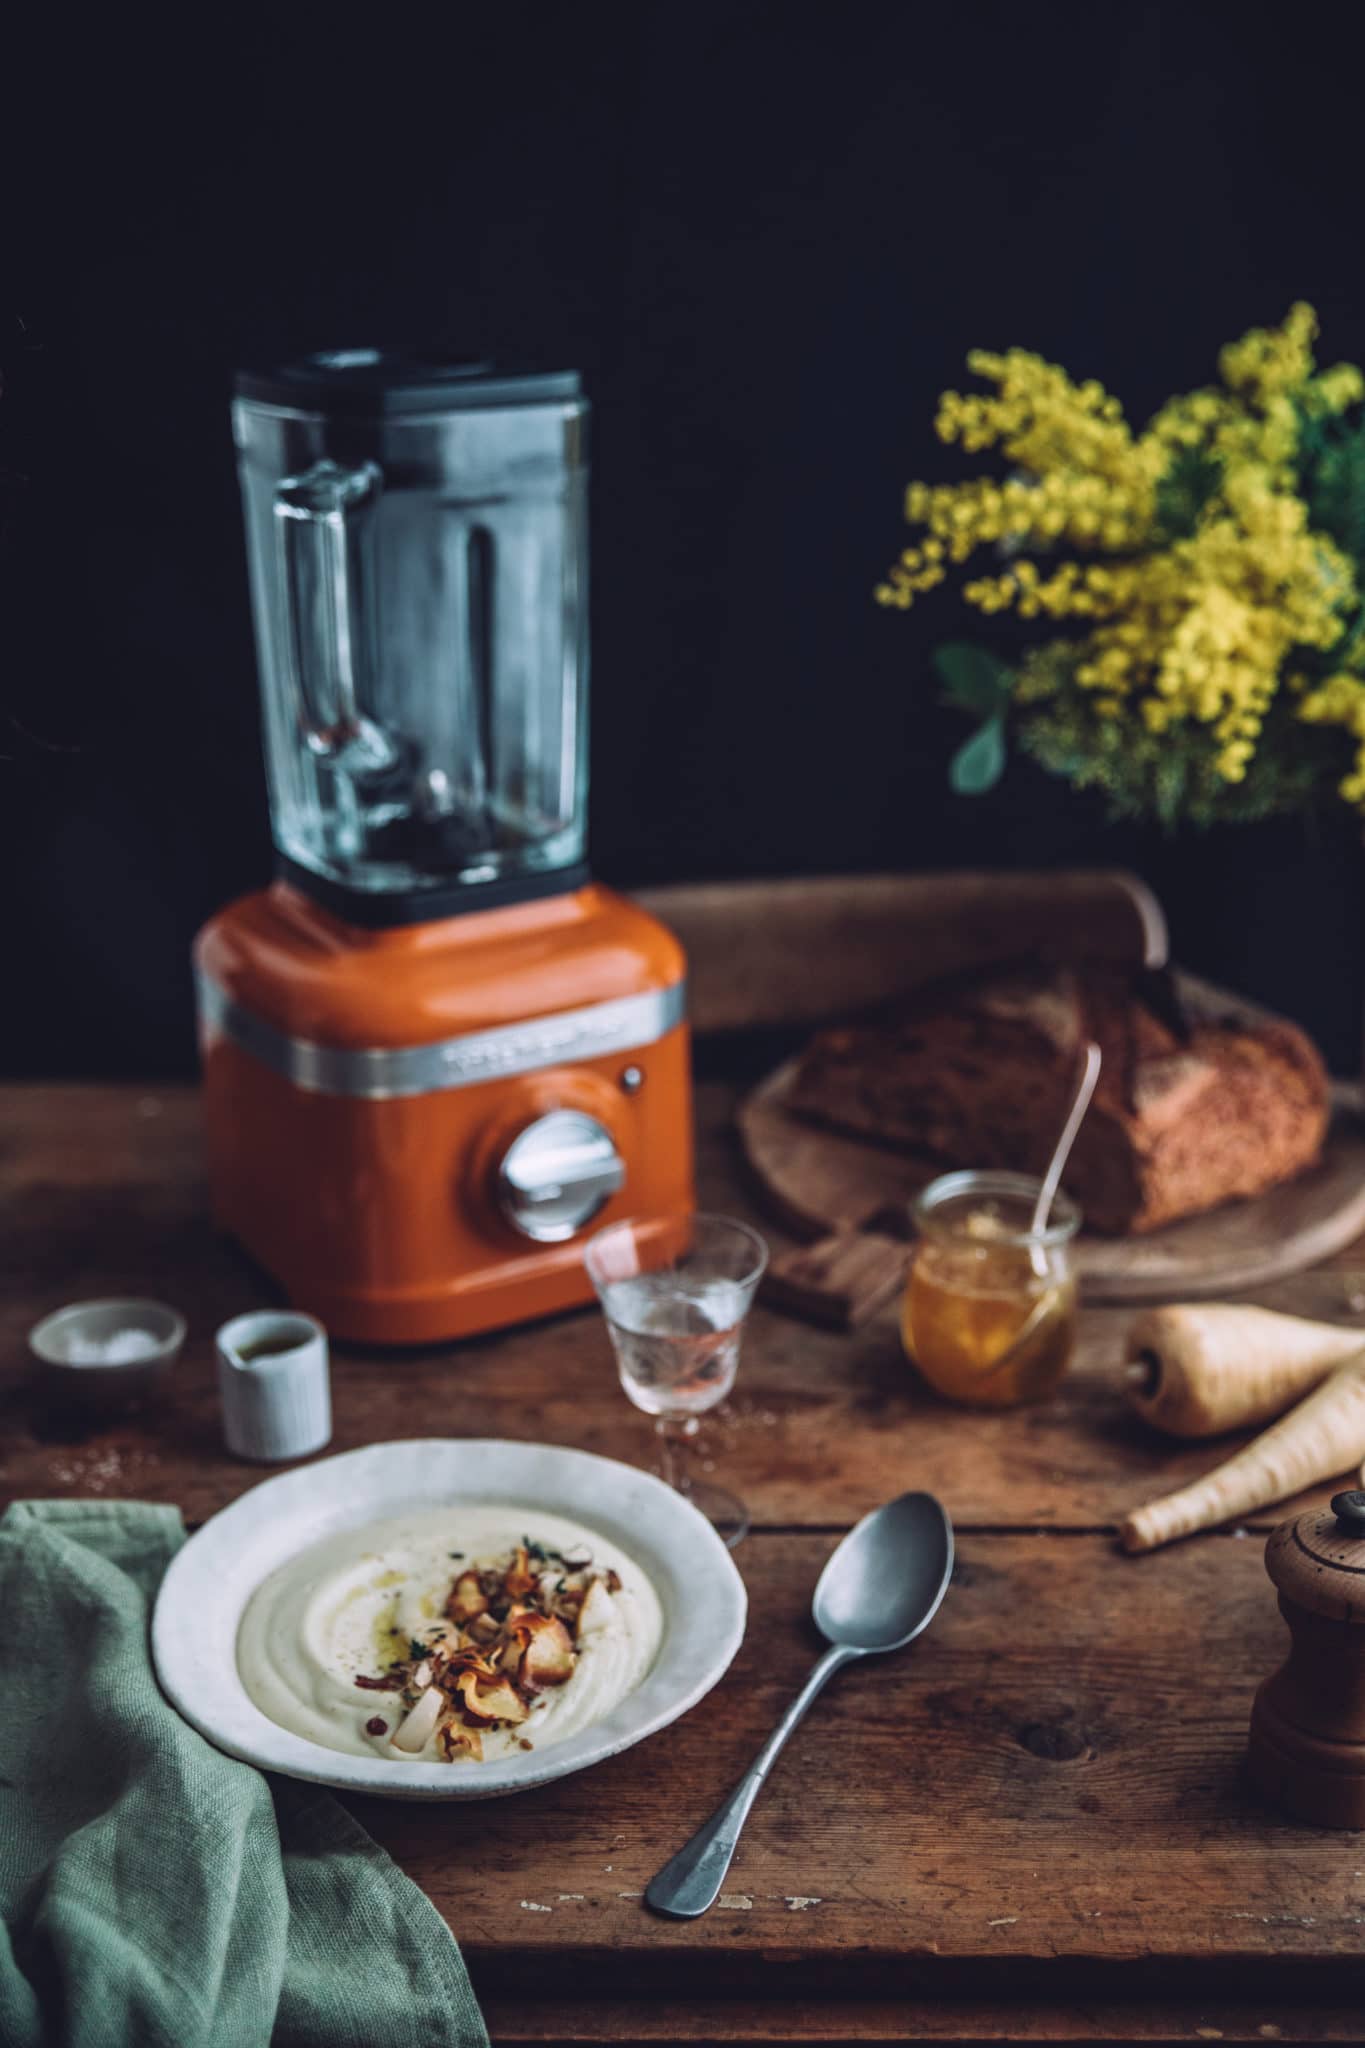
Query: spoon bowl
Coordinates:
[885,1582]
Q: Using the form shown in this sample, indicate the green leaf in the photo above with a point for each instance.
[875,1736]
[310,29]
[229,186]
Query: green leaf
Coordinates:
[973,678]
[980,762]
[1171,778]
[1183,492]
[1332,479]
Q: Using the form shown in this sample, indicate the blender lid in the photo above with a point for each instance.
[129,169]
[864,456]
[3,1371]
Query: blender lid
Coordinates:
[367,381]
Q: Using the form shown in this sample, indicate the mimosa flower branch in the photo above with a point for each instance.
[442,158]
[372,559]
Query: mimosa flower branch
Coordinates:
[1207,570]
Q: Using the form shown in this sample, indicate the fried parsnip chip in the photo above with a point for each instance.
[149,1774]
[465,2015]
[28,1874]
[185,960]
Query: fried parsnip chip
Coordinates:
[487,1703]
[467,1599]
[520,1579]
[547,1651]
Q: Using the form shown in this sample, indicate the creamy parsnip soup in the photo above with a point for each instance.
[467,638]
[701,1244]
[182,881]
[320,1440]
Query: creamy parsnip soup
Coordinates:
[458,1635]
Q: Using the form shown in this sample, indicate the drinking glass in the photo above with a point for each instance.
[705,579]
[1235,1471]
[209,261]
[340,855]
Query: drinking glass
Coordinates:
[675,1291]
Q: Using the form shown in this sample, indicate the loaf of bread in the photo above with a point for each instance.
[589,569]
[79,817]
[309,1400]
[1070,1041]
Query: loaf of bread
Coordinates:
[1191,1109]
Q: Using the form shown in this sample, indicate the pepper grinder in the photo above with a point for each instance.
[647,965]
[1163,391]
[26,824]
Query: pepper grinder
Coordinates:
[1307,1751]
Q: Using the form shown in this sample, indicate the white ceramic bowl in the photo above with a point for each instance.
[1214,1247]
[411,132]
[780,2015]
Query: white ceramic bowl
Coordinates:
[204,1593]
[57,1341]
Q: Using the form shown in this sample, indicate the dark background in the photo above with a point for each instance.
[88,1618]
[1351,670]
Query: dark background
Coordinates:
[767,237]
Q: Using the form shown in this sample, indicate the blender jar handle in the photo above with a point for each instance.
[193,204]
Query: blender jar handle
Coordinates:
[322,518]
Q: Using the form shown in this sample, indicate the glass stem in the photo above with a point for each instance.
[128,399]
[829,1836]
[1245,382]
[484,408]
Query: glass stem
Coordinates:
[675,1434]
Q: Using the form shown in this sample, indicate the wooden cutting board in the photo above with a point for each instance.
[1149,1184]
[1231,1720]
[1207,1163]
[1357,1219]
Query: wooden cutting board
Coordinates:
[819,1183]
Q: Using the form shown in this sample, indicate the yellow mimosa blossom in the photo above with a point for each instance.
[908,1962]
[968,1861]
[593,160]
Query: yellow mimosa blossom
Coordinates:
[1183,556]
[1335,389]
[1340,700]
[1270,361]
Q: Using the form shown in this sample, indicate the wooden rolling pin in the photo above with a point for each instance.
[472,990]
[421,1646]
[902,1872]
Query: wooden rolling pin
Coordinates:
[819,949]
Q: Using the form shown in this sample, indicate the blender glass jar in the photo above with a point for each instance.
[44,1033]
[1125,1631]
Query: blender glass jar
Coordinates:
[417,547]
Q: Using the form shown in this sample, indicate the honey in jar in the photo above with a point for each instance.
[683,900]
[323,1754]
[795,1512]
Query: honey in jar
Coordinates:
[990,1306]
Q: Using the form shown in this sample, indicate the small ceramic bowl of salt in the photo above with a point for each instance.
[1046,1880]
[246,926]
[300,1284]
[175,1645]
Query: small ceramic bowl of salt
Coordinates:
[103,1352]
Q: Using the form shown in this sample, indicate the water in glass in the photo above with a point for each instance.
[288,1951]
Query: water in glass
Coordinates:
[676,1339]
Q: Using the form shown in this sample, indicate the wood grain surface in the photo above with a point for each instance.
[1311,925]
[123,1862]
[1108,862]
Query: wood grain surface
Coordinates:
[1033,1825]
[1092,2016]
[1037,1780]
[102,1192]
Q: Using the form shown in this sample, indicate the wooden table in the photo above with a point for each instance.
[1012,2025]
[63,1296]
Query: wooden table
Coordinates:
[1031,1826]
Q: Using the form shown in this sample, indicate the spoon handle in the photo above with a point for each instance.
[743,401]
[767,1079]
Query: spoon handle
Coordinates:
[690,1882]
[1080,1103]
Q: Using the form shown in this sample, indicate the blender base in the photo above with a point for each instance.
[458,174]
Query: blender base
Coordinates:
[430,1318]
[363,1089]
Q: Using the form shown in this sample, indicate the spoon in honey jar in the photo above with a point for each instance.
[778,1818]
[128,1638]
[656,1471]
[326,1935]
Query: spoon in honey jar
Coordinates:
[1042,1208]
[1056,1166]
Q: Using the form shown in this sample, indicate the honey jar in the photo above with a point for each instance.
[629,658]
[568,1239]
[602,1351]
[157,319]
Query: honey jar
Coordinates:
[990,1304]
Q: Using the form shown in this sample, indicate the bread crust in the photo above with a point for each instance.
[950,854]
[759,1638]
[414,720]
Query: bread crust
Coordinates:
[1191,1110]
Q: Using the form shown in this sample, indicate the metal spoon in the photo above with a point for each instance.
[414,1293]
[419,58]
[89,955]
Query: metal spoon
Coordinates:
[1056,1166]
[1042,1209]
[881,1589]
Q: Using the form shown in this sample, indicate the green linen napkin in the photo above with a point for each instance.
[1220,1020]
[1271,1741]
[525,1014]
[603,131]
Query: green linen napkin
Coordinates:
[155,1893]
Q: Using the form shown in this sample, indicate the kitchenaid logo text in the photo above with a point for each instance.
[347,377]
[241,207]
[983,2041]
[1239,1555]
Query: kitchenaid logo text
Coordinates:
[611,1027]
[378,1072]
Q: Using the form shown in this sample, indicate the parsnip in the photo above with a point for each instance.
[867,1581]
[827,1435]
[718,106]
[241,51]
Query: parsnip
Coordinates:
[1320,1438]
[1197,1369]
[418,1725]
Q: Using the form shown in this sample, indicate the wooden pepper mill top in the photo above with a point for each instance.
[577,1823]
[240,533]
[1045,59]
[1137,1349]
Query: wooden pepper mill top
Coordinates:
[1318,1561]
[1307,1750]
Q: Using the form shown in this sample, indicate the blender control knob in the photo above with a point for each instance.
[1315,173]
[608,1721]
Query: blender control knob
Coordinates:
[557,1173]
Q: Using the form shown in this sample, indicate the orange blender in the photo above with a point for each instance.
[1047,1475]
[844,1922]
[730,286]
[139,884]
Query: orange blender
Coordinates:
[435,1052]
